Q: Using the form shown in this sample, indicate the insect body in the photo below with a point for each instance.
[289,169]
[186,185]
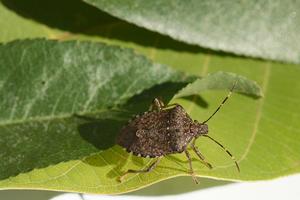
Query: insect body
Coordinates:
[165,130]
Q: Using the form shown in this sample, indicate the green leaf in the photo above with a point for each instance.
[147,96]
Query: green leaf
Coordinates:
[62,99]
[221,80]
[262,134]
[261,29]
[44,85]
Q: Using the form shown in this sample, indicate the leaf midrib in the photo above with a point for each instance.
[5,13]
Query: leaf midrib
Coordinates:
[53,117]
[264,87]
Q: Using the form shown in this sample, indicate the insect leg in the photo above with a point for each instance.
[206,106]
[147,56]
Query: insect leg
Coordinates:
[157,104]
[170,105]
[226,150]
[199,154]
[149,169]
[191,167]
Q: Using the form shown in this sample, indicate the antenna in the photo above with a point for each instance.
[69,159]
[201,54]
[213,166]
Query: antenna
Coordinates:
[223,102]
[226,150]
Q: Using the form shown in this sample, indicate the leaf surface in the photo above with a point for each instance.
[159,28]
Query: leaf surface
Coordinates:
[221,80]
[251,28]
[48,89]
[262,134]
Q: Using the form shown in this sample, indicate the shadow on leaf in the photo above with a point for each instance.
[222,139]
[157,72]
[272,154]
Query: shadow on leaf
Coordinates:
[91,129]
[77,16]
[41,143]
[90,132]
[178,185]
[197,99]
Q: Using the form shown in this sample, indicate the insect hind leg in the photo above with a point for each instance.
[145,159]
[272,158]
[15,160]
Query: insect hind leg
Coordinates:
[149,169]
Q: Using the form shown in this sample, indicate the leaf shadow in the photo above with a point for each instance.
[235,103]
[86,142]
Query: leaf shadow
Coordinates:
[177,185]
[184,164]
[91,127]
[28,194]
[197,100]
[76,16]
[71,138]
[180,184]
[89,131]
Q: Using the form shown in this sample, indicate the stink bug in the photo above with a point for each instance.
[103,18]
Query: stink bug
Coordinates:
[163,130]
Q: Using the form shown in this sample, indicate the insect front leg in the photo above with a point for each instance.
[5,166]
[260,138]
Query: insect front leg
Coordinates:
[191,166]
[149,169]
[199,154]
[157,104]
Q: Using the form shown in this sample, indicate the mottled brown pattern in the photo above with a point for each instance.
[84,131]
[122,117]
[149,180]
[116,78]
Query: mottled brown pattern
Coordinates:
[158,133]
[166,130]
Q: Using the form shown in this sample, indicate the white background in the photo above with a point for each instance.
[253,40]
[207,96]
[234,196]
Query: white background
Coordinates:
[184,188]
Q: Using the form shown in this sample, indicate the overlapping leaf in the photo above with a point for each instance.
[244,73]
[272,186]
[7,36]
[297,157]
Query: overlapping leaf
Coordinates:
[221,80]
[252,28]
[262,134]
[47,85]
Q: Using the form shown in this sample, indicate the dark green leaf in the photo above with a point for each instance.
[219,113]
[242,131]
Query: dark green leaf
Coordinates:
[264,29]
[262,134]
[45,85]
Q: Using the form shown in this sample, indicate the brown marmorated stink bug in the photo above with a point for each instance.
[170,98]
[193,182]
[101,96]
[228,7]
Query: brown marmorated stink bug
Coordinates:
[163,130]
